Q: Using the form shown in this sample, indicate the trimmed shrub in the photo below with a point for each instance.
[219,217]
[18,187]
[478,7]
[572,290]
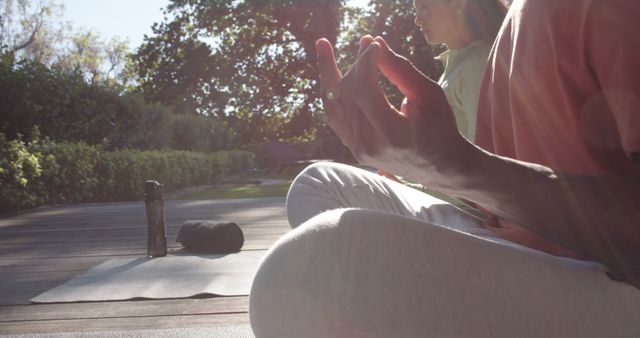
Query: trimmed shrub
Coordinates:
[124,171]
[54,173]
[19,170]
[68,172]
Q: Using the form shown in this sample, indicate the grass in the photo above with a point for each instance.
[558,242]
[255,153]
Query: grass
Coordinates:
[233,191]
[246,185]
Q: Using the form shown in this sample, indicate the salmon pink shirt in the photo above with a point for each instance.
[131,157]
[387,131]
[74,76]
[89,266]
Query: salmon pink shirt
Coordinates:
[562,89]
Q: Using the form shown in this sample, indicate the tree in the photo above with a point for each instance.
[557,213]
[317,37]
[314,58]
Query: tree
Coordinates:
[98,60]
[65,107]
[35,30]
[246,60]
[31,28]
[252,62]
[78,91]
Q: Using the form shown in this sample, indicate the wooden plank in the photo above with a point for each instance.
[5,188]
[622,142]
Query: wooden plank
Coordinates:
[54,233]
[19,280]
[100,221]
[20,295]
[68,253]
[63,231]
[46,264]
[42,284]
[124,323]
[17,297]
[109,241]
[118,237]
[60,249]
[108,212]
[62,252]
[261,219]
[146,308]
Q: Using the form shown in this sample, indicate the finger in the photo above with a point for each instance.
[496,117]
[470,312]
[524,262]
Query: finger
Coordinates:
[327,67]
[365,41]
[369,97]
[350,126]
[329,76]
[402,73]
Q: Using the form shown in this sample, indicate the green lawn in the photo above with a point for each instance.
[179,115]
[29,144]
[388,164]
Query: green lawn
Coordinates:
[244,185]
[232,191]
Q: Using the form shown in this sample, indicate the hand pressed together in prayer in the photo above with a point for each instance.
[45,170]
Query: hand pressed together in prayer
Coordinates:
[421,135]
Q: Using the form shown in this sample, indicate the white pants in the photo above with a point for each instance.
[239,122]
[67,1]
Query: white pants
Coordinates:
[372,258]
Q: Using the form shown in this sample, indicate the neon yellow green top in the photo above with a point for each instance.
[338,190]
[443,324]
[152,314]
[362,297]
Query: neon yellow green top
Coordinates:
[461,81]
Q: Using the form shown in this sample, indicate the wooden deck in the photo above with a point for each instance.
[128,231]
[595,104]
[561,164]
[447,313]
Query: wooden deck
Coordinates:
[46,247]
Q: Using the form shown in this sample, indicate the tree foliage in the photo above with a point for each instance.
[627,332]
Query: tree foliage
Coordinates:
[63,106]
[66,108]
[252,62]
[35,30]
[233,73]
[99,60]
[31,28]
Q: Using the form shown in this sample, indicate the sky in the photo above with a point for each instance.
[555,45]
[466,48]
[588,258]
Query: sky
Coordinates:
[130,19]
[127,19]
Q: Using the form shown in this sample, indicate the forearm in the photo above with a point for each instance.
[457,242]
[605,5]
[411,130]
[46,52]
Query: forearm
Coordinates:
[596,217]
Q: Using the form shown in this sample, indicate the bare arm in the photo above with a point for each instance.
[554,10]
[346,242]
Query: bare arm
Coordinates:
[596,217]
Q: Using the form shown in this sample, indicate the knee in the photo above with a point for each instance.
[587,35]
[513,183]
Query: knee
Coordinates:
[284,293]
[312,279]
[313,191]
[323,172]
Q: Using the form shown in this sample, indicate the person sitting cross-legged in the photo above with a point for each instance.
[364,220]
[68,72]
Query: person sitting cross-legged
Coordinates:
[556,166]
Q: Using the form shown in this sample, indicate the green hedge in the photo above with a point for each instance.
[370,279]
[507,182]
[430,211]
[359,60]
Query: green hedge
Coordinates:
[50,173]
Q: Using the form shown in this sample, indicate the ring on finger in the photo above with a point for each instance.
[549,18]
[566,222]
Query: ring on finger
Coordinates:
[333,94]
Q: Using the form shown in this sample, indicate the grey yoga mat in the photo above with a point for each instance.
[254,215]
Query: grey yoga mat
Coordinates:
[174,276]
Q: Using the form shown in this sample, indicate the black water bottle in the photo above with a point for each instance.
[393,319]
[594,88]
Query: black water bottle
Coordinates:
[154,201]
